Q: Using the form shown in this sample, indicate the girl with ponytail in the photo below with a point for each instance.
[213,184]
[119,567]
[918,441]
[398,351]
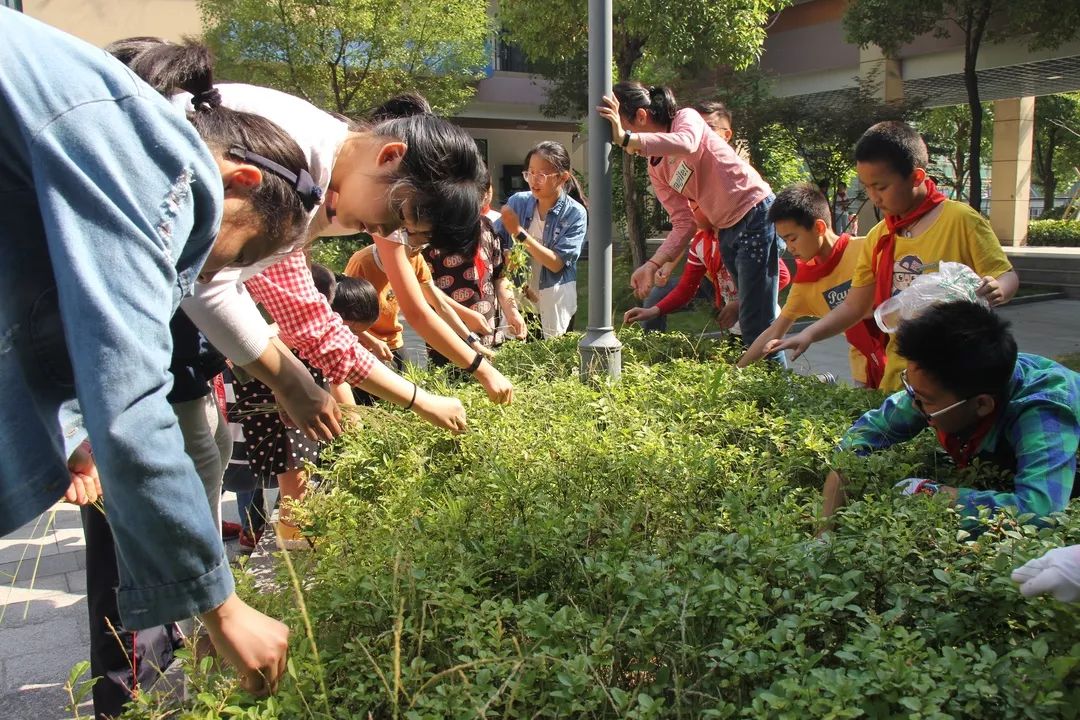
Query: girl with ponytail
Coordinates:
[417,172]
[550,220]
[115,202]
[689,163]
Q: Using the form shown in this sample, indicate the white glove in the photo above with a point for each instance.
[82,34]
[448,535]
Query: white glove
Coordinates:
[1057,572]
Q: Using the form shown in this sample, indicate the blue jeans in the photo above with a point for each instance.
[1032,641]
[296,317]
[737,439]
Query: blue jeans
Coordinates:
[751,251]
[251,504]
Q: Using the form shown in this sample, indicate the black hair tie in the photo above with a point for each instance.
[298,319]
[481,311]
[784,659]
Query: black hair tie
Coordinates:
[310,192]
[206,99]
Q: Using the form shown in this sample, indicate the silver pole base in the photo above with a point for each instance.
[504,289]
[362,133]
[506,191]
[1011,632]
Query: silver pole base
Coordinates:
[601,352]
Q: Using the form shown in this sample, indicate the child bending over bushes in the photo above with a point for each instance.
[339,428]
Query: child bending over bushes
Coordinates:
[965,379]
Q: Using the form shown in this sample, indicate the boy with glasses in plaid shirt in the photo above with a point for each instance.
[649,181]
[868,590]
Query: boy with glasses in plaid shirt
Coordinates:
[984,400]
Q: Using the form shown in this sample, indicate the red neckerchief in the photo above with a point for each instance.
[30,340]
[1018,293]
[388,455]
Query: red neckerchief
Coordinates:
[885,250]
[805,272]
[962,451]
[882,261]
[865,336]
[480,267]
[710,258]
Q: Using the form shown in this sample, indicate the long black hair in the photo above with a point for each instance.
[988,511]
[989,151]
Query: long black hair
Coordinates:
[556,154]
[280,203]
[658,100]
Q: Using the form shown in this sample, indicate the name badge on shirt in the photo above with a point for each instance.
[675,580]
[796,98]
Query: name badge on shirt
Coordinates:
[681,177]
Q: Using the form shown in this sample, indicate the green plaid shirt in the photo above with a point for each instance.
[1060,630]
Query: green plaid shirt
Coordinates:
[1038,431]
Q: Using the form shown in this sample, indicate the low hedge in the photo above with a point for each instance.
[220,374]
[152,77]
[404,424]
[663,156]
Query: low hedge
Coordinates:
[1054,233]
[643,550]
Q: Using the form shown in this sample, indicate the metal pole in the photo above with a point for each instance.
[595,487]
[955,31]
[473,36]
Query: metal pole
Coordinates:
[600,350]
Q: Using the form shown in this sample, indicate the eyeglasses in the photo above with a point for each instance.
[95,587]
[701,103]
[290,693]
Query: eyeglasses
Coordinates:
[540,177]
[919,404]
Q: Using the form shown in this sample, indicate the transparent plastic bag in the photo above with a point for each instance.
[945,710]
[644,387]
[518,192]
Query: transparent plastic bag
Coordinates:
[952,281]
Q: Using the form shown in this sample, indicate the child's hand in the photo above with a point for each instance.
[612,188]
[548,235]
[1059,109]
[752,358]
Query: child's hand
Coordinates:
[510,220]
[664,273]
[640,314]
[609,110]
[517,325]
[443,412]
[377,347]
[797,344]
[644,278]
[728,315]
[85,488]
[991,290]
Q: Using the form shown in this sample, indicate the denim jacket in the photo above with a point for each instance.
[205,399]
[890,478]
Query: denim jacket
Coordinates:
[109,205]
[564,233]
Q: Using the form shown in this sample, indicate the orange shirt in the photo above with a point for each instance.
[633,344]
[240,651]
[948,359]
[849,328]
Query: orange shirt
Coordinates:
[365,264]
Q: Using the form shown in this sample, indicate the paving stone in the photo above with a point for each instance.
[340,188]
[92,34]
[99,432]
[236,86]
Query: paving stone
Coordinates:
[45,566]
[28,672]
[40,702]
[37,640]
[77,581]
[21,550]
[41,607]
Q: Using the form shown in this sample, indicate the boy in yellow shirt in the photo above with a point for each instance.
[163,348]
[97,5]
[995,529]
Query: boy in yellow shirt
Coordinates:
[825,263]
[921,229]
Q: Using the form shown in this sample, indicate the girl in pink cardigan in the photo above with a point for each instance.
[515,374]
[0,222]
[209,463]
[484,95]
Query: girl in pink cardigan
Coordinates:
[688,162]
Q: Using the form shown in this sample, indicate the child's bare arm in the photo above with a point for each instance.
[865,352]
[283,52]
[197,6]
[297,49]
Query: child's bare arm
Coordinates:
[855,307]
[756,351]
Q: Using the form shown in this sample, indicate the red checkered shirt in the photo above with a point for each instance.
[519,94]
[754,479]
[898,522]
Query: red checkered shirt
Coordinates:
[306,323]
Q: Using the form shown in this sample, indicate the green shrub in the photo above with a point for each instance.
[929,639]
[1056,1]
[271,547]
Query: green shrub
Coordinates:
[1054,233]
[642,550]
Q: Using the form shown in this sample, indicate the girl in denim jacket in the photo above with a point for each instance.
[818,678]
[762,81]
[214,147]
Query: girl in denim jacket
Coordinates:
[116,204]
[550,220]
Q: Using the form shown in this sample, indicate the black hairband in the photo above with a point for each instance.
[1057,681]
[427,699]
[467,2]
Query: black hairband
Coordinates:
[310,192]
[207,98]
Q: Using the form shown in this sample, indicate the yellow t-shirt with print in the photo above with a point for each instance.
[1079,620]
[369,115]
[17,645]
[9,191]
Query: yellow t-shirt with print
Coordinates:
[816,299]
[959,234]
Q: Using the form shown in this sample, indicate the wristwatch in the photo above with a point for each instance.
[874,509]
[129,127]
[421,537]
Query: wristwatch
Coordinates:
[472,339]
[521,236]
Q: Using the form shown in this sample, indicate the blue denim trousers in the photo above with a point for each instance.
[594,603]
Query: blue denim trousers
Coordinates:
[751,252]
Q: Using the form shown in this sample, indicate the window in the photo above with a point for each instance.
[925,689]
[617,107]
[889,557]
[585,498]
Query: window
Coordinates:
[510,58]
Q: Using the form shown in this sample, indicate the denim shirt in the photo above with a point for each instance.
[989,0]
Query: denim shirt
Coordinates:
[109,205]
[564,233]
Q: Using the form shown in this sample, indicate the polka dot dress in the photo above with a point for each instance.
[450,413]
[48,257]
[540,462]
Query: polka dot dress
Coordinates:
[272,448]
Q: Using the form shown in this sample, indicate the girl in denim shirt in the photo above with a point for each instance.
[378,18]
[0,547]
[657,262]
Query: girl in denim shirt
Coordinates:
[550,220]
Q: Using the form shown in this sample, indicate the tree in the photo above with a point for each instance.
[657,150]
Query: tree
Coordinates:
[948,136]
[824,134]
[1056,153]
[351,55]
[891,24]
[652,39]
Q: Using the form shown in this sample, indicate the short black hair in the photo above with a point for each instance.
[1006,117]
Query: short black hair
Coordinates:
[966,347]
[356,300]
[714,107]
[896,143]
[803,204]
[324,279]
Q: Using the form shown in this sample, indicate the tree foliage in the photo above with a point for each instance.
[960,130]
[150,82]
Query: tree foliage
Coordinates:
[652,40]
[350,55]
[891,24]
[948,136]
[1056,155]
